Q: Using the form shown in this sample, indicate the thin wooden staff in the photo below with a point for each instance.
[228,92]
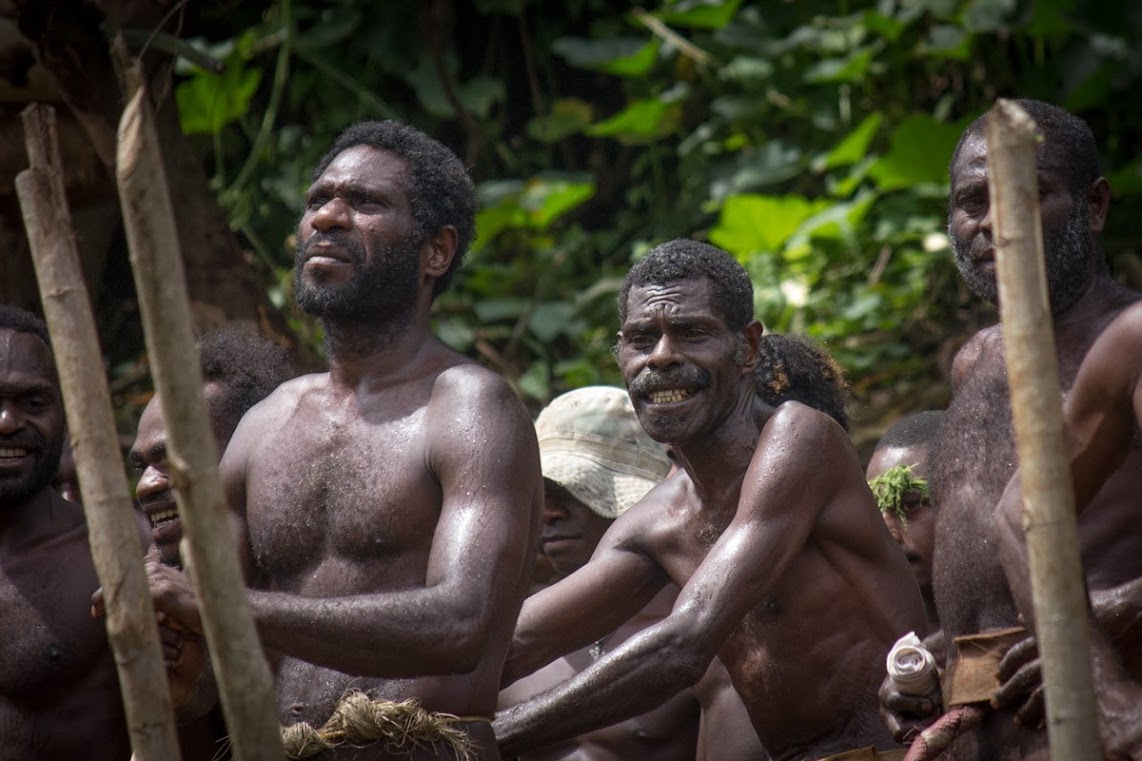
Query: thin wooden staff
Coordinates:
[244,683]
[113,530]
[1058,593]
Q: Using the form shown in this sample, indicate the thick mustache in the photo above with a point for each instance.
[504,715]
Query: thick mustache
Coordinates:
[337,239]
[28,441]
[650,380]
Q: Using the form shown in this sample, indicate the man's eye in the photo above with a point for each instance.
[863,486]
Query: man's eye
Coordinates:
[313,203]
[37,403]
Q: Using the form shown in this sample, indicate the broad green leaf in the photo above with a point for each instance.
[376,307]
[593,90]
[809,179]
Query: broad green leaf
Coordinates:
[918,152]
[456,333]
[643,121]
[852,68]
[623,56]
[946,41]
[569,116]
[854,147]
[549,319]
[988,15]
[535,382]
[547,199]
[699,14]
[752,223]
[208,102]
[491,310]
[747,70]
[336,24]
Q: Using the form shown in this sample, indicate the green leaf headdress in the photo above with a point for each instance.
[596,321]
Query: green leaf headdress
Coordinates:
[890,487]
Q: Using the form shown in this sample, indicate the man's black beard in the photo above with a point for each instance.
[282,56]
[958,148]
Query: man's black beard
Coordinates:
[1069,261]
[45,464]
[383,290]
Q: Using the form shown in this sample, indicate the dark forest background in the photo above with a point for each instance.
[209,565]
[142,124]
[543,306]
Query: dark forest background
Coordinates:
[809,138]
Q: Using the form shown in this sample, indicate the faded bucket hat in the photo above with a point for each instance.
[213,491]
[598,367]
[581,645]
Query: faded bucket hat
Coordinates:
[591,444]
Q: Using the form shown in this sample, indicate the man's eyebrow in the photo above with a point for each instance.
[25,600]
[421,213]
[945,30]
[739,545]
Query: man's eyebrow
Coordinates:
[30,387]
[153,453]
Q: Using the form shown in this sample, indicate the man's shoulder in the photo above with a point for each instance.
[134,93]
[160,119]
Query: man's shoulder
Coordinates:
[986,344]
[466,383]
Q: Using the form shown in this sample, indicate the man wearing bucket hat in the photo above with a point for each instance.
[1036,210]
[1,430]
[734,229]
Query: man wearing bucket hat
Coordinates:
[597,462]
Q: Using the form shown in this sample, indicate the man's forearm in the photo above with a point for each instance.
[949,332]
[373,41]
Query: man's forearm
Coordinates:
[1119,611]
[643,673]
[395,634]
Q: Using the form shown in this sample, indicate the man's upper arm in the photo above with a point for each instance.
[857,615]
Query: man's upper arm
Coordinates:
[779,505]
[1099,414]
[483,450]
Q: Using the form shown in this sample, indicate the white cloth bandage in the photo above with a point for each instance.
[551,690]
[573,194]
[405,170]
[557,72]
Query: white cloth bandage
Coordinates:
[912,666]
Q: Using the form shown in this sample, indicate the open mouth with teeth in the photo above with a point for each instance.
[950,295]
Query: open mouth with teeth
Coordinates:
[163,516]
[669,396]
[13,452]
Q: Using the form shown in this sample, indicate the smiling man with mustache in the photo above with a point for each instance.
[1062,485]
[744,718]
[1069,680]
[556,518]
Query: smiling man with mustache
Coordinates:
[787,572]
[59,694]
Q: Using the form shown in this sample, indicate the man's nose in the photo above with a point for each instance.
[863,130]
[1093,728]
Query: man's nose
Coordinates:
[985,224]
[332,215]
[895,529]
[663,354]
[11,420]
[552,513]
[152,482]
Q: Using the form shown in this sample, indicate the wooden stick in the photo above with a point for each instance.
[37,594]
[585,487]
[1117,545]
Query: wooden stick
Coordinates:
[1048,498]
[244,683]
[113,530]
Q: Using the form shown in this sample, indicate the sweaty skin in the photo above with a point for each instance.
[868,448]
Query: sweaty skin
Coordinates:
[1103,420]
[726,732]
[788,574]
[977,446]
[59,694]
[386,509]
[571,531]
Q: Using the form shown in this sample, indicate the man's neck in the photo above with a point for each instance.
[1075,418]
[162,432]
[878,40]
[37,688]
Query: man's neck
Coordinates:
[24,520]
[717,462]
[359,350]
[1102,295]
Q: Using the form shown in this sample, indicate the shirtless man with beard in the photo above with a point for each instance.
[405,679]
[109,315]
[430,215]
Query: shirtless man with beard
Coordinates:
[787,571]
[387,509]
[976,443]
[59,693]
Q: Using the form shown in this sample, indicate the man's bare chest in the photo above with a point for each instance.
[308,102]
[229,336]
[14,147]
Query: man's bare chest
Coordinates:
[360,491]
[50,636]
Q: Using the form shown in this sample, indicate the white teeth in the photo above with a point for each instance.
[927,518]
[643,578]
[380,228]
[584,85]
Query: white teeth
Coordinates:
[162,516]
[666,397]
[12,452]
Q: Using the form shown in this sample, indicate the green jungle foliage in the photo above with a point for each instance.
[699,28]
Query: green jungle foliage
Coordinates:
[810,139]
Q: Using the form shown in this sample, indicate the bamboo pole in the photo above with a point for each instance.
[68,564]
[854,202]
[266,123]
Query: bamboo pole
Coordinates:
[244,683]
[1057,586]
[113,530]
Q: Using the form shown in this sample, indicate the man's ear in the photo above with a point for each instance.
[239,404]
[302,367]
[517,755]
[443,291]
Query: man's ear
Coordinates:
[438,251]
[1098,203]
[751,335]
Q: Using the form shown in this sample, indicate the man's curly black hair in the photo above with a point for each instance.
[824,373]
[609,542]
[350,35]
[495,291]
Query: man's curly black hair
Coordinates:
[23,321]
[440,192]
[1068,143]
[243,368]
[794,368]
[685,259]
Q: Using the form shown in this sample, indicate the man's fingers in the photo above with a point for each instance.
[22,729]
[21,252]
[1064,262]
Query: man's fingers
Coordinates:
[98,608]
[1015,689]
[1015,658]
[1031,713]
